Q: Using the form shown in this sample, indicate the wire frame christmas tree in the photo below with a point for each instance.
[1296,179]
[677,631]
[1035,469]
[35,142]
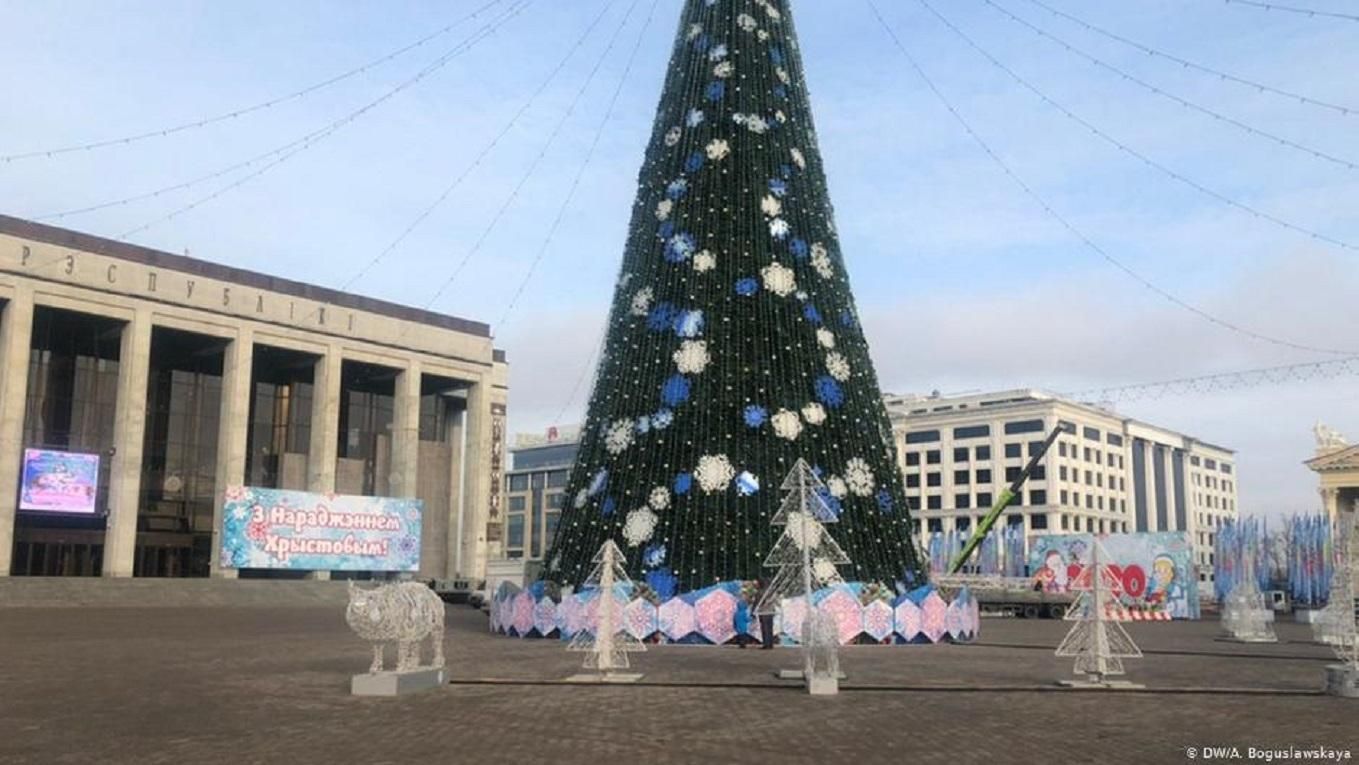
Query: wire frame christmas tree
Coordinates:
[607,649]
[1098,644]
[806,556]
[733,346]
[1245,617]
[1337,626]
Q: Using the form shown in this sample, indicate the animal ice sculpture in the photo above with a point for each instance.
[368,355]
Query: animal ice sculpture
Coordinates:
[403,613]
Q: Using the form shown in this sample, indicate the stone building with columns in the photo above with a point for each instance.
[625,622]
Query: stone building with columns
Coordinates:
[1336,464]
[186,377]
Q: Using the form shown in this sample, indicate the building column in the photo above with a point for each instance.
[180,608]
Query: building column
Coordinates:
[129,431]
[1330,503]
[232,435]
[406,433]
[16,341]
[452,552]
[325,428]
[476,486]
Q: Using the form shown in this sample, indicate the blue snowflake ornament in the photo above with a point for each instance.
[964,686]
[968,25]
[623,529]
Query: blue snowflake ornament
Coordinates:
[716,90]
[600,480]
[776,55]
[680,247]
[885,505]
[677,188]
[665,230]
[695,162]
[683,482]
[662,317]
[609,506]
[747,286]
[675,391]
[810,313]
[828,392]
[799,248]
[662,419]
[747,484]
[689,323]
[755,416]
[778,187]
[694,118]
[653,556]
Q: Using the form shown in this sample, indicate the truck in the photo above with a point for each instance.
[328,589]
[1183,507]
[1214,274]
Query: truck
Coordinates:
[1006,595]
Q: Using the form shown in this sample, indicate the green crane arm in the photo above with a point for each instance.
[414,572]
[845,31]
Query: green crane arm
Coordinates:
[1006,497]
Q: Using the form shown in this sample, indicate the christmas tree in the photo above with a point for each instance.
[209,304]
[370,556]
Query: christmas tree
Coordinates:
[733,346]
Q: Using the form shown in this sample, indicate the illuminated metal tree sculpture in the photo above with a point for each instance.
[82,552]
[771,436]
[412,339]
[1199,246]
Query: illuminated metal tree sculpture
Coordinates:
[733,346]
[806,556]
[1098,645]
[1338,627]
[607,648]
[1245,616]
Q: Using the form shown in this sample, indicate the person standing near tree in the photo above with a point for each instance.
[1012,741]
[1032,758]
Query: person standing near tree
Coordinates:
[766,624]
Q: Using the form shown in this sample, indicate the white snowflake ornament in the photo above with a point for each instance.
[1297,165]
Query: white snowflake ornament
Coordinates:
[639,526]
[672,136]
[692,357]
[825,338]
[714,472]
[771,205]
[659,499]
[814,413]
[663,209]
[837,366]
[859,477]
[786,424]
[641,301]
[619,436]
[718,149]
[705,261]
[798,158]
[837,487]
[779,279]
[723,70]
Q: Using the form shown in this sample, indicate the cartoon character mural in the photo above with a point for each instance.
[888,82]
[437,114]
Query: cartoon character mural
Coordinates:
[1155,569]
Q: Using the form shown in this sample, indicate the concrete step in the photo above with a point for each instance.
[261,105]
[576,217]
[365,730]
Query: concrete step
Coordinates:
[97,592]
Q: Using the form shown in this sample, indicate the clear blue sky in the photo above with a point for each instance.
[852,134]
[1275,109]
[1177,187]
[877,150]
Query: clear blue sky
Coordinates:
[963,282]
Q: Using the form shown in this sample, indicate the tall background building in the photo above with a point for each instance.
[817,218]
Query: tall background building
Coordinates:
[1106,474]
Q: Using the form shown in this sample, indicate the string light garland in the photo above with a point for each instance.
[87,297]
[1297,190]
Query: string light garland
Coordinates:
[306,141]
[246,110]
[1125,148]
[575,182]
[1266,135]
[481,155]
[1089,243]
[1294,9]
[533,166]
[1249,378]
[1259,86]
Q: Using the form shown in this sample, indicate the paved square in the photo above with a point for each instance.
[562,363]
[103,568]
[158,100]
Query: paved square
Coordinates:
[247,685]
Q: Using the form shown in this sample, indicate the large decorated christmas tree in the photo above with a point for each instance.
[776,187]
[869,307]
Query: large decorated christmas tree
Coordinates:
[733,345]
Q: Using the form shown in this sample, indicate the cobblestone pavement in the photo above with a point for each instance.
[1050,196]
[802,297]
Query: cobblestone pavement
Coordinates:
[271,685]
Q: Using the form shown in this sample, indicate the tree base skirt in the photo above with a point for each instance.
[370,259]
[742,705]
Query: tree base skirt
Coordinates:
[717,615]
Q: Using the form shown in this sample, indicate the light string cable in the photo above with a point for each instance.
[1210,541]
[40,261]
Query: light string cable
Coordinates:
[481,156]
[580,172]
[1068,225]
[533,167]
[1187,64]
[1248,378]
[1220,117]
[1293,9]
[307,139]
[487,31]
[561,213]
[1125,148]
[243,111]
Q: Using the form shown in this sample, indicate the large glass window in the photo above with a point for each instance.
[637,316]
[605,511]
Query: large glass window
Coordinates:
[983,453]
[972,431]
[1023,426]
[960,454]
[1014,450]
[922,436]
[961,476]
[912,458]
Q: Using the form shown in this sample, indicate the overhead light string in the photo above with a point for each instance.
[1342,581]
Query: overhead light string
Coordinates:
[1068,225]
[127,140]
